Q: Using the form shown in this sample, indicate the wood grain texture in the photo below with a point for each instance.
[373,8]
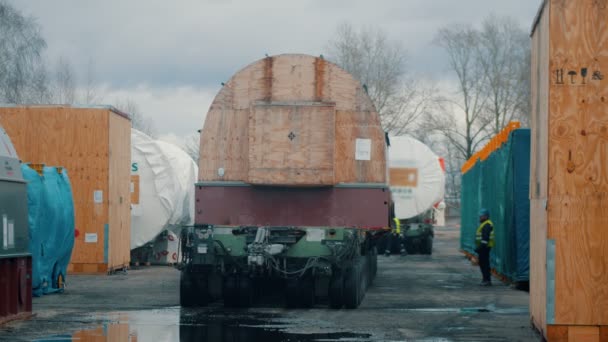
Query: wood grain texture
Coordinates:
[291,145]
[119,194]
[539,170]
[538,261]
[578,159]
[576,123]
[77,139]
[298,82]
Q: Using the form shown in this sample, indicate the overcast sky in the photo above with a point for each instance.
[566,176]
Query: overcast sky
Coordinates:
[171,56]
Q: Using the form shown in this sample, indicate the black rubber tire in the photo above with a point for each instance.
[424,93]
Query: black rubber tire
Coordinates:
[307,292]
[292,295]
[427,245]
[187,293]
[373,264]
[336,289]
[245,291]
[230,291]
[352,287]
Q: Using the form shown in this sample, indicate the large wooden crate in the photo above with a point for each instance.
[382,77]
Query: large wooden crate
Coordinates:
[94,144]
[293,120]
[569,171]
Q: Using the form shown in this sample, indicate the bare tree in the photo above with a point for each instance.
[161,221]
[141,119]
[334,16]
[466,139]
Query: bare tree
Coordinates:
[64,87]
[21,48]
[503,51]
[91,93]
[191,145]
[380,65]
[466,133]
[138,120]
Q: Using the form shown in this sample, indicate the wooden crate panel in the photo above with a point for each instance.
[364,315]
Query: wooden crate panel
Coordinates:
[538,260]
[569,170]
[225,145]
[291,144]
[119,194]
[79,140]
[351,126]
[291,80]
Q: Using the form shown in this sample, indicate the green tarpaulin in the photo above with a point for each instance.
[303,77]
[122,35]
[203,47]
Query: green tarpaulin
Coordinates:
[501,184]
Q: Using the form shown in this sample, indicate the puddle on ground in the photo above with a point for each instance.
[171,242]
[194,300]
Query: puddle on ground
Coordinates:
[488,309]
[195,325]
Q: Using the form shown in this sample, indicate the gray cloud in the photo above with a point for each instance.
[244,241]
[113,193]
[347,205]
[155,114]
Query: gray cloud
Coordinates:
[198,44]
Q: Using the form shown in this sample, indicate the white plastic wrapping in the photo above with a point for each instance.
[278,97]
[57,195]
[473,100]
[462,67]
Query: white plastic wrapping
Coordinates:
[6,146]
[166,176]
[424,183]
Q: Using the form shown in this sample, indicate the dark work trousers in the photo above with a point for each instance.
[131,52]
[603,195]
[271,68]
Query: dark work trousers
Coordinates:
[484,262]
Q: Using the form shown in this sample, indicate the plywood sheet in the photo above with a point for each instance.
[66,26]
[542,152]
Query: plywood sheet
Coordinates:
[538,261]
[79,140]
[353,125]
[578,159]
[119,194]
[285,80]
[225,146]
[291,144]
[539,169]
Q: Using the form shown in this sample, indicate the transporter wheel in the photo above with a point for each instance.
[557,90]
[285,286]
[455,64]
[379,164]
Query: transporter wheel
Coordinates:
[427,245]
[307,292]
[292,299]
[230,291]
[336,289]
[187,293]
[352,287]
[373,264]
[245,291]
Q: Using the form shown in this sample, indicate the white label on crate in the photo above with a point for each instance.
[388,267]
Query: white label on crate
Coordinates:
[90,237]
[4,232]
[315,234]
[363,149]
[98,196]
[11,234]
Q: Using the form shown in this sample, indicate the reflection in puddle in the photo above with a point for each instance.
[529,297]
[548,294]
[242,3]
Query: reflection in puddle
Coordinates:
[195,325]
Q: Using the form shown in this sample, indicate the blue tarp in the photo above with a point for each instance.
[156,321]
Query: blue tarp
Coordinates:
[501,184]
[51,223]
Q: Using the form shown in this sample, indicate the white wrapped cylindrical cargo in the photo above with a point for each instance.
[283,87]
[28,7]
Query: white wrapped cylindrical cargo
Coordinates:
[417,179]
[6,146]
[162,188]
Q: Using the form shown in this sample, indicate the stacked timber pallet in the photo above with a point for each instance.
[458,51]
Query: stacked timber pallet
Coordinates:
[569,174]
[94,143]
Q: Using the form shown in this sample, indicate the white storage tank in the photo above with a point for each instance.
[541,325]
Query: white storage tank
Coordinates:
[417,179]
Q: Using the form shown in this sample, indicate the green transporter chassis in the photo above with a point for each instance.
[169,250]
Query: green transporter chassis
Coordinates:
[307,264]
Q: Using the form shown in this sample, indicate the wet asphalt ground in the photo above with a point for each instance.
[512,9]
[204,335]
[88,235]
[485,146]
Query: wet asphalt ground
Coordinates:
[414,298]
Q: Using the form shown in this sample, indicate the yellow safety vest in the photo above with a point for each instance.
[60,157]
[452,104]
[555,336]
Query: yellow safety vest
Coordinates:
[397,225]
[478,236]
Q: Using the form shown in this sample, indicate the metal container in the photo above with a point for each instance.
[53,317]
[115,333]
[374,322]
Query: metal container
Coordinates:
[15,260]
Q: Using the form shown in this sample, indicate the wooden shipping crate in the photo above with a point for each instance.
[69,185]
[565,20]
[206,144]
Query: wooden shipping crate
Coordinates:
[569,171]
[293,120]
[94,144]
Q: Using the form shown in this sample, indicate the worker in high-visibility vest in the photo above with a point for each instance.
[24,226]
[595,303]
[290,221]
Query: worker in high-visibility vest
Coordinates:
[395,239]
[484,241]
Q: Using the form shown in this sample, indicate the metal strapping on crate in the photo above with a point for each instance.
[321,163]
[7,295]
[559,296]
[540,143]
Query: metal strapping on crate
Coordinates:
[551,281]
